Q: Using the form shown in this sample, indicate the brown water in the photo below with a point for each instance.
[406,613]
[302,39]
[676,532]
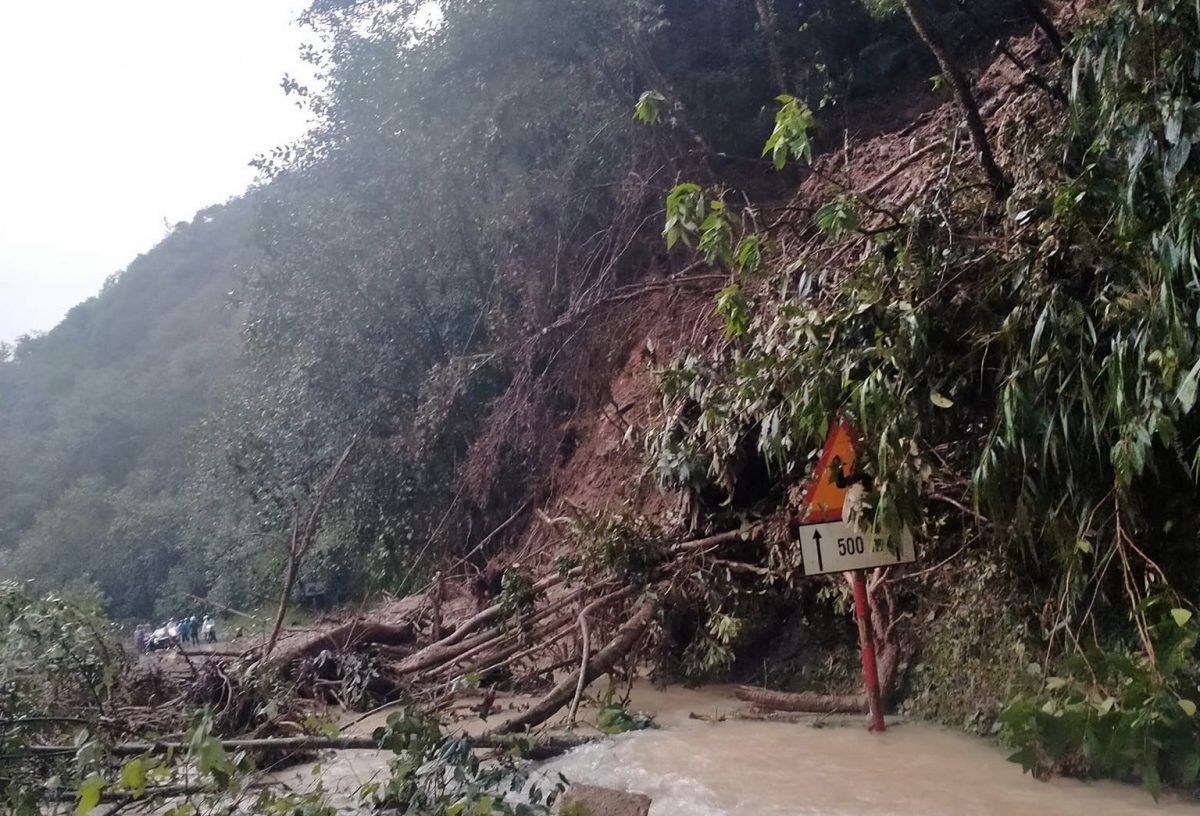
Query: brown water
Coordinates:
[738,768]
[772,769]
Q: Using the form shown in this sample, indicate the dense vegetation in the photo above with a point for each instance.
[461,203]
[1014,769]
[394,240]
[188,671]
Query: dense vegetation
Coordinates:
[347,374]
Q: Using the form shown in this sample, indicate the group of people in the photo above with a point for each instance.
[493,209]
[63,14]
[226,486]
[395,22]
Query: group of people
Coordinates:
[189,630]
[179,632]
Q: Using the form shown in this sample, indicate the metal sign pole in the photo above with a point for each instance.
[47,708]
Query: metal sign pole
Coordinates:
[866,637]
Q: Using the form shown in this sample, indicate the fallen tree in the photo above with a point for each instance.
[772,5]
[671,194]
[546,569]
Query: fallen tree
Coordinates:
[608,657]
[539,748]
[805,702]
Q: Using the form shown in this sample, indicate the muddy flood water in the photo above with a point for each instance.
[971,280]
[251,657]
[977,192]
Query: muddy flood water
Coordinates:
[693,767]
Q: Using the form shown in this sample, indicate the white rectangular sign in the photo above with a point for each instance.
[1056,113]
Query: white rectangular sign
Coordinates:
[835,546]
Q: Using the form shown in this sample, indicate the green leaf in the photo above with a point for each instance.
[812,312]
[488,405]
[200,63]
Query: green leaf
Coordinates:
[649,107]
[1026,758]
[1190,770]
[1189,708]
[133,777]
[88,794]
[940,401]
[1083,545]
[732,306]
[838,217]
[790,136]
[1152,780]
[1186,394]
[1181,616]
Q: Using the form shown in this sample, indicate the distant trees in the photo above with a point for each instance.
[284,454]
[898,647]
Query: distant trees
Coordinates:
[93,415]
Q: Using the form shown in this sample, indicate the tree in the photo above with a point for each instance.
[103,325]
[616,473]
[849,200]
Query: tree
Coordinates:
[927,31]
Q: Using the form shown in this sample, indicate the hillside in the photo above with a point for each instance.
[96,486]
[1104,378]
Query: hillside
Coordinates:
[95,415]
[516,340]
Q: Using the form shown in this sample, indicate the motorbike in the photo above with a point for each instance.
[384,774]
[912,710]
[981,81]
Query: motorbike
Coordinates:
[163,637]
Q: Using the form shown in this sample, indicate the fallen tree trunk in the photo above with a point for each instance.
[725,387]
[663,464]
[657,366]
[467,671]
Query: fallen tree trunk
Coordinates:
[493,612]
[438,654]
[458,644]
[804,701]
[348,634]
[547,746]
[540,638]
[608,657]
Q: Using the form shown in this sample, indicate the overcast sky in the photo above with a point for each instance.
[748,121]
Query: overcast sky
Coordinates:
[118,114]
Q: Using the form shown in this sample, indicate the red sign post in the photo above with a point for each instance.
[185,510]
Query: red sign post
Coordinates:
[866,639]
[829,543]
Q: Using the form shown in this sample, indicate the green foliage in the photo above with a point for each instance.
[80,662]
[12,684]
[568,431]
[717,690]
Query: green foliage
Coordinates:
[716,235]
[626,548]
[1116,713]
[56,655]
[517,592]
[797,368]
[975,619]
[616,718]
[882,9]
[790,138]
[94,414]
[649,107]
[1057,367]
[685,214]
[838,217]
[434,773]
[732,307]
[59,667]
[712,650]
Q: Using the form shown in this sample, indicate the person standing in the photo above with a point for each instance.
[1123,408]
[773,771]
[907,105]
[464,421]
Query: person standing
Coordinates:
[194,630]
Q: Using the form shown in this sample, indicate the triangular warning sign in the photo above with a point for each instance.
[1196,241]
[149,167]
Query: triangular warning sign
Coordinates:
[830,482]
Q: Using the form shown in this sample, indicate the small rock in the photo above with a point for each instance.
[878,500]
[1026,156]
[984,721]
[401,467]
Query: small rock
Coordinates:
[590,800]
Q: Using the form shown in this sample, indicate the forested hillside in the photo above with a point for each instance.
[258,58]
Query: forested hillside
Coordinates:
[95,416]
[472,181]
[577,287]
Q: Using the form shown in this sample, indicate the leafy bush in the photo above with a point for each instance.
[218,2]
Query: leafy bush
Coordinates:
[1116,712]
[434,774]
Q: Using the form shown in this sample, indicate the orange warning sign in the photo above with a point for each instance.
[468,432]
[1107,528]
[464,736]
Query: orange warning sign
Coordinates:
[831,480]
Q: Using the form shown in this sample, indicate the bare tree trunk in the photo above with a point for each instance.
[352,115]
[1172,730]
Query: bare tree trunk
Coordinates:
[962,90]
[289,581]
[436,604]
[766,21]
[586,648]
[1034,9]
[301,541]
[1035,79]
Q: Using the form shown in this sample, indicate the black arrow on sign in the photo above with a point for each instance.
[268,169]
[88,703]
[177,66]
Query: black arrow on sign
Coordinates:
[820,559]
